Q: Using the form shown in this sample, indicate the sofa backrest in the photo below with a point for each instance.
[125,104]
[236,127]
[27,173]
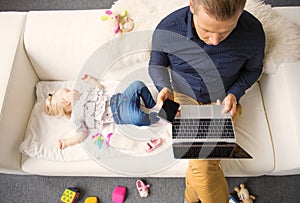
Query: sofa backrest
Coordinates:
[59,42]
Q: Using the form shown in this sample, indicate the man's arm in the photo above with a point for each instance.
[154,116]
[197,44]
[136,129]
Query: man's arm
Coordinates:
[158,71]
[251,72]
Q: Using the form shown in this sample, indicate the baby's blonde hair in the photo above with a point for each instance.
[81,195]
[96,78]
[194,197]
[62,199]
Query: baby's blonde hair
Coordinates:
[56,108]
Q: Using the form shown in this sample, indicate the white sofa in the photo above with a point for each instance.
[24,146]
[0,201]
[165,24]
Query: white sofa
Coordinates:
[55,45]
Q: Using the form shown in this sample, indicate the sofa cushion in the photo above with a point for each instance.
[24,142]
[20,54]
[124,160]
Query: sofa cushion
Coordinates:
[255,140]
[59,42]
[281,100]
[254,136]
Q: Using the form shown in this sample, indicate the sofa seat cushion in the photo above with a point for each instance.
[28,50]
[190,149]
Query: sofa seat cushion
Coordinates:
[256,140]
[282,99]
[254,136]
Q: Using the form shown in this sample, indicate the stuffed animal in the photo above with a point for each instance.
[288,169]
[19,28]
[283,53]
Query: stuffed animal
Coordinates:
[120,22]
[243,194]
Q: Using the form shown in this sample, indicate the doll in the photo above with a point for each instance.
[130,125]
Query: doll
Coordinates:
[243,194]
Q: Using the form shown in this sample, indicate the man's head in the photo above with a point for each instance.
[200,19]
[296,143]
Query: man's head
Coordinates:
[215,20]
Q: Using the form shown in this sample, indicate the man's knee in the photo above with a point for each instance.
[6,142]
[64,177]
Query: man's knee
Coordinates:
[238,113]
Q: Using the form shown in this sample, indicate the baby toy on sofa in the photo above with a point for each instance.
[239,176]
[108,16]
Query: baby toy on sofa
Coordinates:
[243,194]
[120,22]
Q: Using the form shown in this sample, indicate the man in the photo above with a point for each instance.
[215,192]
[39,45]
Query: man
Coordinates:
[214,50]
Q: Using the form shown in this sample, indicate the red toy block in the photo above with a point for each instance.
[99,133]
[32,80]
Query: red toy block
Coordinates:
[118,195]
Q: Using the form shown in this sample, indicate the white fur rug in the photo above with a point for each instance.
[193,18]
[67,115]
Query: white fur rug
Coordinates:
[282,35]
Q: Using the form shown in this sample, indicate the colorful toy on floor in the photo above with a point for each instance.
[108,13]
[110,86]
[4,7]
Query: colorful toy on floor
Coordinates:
[91,199]
[142,188]
[70,195]
[118,194]
[243,194]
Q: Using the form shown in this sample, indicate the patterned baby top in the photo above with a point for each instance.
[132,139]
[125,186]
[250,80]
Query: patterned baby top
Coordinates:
[92,111]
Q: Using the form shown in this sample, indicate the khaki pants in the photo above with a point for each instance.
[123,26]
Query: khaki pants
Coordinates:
[205,179]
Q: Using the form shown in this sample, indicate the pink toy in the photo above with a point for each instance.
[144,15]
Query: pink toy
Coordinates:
[118,195]
[142,188]
[153,144]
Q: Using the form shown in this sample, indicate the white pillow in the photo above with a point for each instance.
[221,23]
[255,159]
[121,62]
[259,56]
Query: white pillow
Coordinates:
[43,131]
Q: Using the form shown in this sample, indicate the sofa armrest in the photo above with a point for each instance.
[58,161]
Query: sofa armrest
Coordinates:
[11,29]
[281,99]
[17,90]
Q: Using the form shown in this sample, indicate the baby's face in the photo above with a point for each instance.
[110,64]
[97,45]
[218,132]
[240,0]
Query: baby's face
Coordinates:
[67,95]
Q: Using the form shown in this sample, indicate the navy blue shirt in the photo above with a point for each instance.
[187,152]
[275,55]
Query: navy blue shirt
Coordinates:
[181,61]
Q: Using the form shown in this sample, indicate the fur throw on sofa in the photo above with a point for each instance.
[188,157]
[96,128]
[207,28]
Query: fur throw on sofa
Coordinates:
[282,35]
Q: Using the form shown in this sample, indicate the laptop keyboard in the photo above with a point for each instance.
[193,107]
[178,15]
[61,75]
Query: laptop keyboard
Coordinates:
[214,128]
[194,151]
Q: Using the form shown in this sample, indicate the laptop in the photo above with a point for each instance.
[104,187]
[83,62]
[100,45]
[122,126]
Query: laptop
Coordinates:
[204,132]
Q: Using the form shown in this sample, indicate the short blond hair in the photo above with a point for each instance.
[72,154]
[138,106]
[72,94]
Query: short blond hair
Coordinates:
[220,9]
[54,107]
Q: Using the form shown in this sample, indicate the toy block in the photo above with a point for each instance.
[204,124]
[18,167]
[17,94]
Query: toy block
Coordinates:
[118,194]
[70,195]
[91,200]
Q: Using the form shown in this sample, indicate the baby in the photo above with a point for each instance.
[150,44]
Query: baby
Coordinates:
[99,109]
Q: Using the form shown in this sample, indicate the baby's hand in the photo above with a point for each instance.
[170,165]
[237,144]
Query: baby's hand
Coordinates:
[61,144]
[85,77]
[92,80]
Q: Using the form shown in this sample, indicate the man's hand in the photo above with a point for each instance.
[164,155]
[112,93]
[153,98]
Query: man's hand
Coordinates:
[230,104]
[163,95]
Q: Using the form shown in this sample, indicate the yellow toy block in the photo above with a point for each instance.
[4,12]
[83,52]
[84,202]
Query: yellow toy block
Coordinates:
[91,200]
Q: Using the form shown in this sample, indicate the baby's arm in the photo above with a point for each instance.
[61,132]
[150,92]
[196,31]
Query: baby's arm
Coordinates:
[92,80]
[76,139]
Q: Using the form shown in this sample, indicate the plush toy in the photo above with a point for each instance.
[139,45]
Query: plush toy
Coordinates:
[120,22]
[243,194]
